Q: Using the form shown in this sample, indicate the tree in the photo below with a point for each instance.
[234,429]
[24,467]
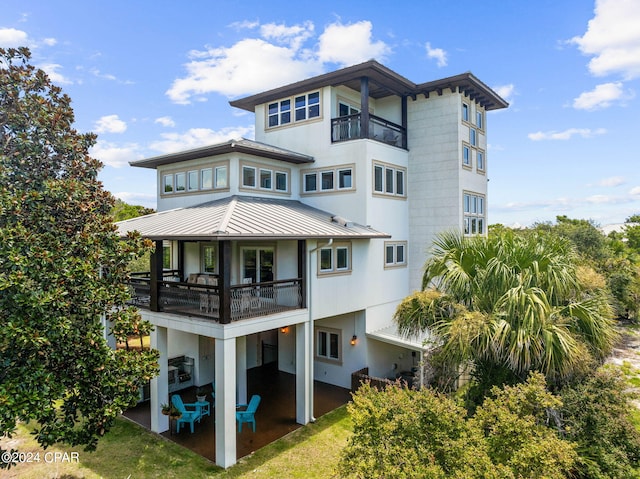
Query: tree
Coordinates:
[124,211]
[509,304]
[62,271]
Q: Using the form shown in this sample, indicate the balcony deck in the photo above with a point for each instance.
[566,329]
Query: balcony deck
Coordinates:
[203,300]
[350,127]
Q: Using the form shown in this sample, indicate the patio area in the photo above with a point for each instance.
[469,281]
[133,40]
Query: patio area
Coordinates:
[275,416]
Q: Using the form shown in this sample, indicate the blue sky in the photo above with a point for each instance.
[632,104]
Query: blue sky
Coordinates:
[152,77]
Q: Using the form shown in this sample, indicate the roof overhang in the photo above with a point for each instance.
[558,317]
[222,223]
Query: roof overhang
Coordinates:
[467,84]
[246,217]
[242,145]
[391,335]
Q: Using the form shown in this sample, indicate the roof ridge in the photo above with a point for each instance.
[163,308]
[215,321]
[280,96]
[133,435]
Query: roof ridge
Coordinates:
[224,222]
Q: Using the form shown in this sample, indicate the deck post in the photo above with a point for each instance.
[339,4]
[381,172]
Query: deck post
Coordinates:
[303,404]
[159,386]
[241,369]
[302,271]
[156,276]
[364,107]
[225,402]
[224,280]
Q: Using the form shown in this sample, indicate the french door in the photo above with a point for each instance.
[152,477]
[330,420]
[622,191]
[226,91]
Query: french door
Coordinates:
[257,264]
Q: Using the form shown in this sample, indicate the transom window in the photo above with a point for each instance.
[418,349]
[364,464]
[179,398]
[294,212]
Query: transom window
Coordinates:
[389,180]
[298,108]
[334,179]
[474,214]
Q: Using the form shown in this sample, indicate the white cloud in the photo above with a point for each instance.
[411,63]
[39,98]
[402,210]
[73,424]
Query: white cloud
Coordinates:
[635,191]
[115,155]
[566,134]
[438,54]
[51,69]
[601,96]
[197,137]
[165,121]
[110,124]
[506,92]
[613,38]
[350,44]
[50,42]
[612,181]
[12,38]
[277,58]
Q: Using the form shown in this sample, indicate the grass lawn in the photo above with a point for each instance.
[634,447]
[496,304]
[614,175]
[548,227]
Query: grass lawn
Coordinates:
[130,451]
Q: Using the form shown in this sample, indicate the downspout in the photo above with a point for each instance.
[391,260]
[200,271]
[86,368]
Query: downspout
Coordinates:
[310,319]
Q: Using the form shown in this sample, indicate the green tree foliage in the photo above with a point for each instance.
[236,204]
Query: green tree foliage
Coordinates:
[597,415]
[404,433]
[62,270]
[123,211]
[509,304]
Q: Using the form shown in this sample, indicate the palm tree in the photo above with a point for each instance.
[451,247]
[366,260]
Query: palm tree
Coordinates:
[509,302]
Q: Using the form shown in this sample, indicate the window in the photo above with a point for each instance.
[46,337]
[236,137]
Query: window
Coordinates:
[395,254]
[307,106]
[298,108]
[328,344]
[466,156]
[326,180]
[465,112]
[221,177]
[472,136]
[344,178]
[474,214]
[206,178]
[282,181]
[334,259]
[249,176]
[192,180]
[166,255]
[209,255]
[335,179]
[389,180]
[480,160]
[265,179]
[181,182]
[167,184]
[479,119]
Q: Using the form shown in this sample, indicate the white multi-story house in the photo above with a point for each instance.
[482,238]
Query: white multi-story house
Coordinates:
[309,236]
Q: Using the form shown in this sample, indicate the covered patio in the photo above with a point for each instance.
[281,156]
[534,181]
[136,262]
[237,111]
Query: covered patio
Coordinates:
[275,417]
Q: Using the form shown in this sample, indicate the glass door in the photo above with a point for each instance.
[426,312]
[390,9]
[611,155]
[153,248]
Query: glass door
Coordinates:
[257,265]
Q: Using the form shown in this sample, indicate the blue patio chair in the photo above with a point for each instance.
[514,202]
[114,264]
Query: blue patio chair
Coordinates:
[248,414]
[188,415]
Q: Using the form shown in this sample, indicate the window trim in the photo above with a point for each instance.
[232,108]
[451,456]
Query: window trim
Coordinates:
[327,345]
[335,179]
[481,164]
[260,170]
[171,177]
[395,263]
[474,214]
[333,257]
[288,106]
[396,172]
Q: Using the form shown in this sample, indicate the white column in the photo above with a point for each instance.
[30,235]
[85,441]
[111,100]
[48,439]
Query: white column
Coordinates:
[303,404]
[226,402]
[241,369]
[160,384]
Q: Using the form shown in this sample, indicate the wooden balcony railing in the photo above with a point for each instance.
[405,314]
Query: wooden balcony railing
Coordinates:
[201,300]
[347,128]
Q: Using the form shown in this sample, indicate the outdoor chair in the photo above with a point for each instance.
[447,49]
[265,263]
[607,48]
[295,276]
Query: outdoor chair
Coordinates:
[188,415]
[248,414]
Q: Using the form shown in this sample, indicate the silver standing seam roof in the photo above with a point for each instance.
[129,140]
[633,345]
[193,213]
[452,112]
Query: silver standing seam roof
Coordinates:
[246,217]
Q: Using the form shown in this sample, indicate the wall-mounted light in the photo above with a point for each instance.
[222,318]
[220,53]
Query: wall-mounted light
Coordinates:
[284,330]
[354,340]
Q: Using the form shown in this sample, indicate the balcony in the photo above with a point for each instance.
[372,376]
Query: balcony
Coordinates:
[204,300]
[351,127]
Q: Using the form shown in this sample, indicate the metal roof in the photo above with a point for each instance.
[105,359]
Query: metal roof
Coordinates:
[383,82]
[241,145]
[391,335]
[246,217]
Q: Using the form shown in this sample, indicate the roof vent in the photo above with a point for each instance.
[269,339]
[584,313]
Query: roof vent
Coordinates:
[342,221]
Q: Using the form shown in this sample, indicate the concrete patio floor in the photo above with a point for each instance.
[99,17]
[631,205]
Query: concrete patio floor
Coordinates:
[275,417]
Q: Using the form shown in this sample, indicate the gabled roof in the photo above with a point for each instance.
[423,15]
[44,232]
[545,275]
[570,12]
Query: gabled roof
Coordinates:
[241,145]
[383,82]
[246,217]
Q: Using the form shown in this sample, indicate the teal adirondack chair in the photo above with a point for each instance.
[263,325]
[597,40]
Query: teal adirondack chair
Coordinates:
[248,414]
[188,415]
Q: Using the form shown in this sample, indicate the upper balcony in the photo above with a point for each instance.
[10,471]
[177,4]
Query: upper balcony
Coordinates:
[358,126]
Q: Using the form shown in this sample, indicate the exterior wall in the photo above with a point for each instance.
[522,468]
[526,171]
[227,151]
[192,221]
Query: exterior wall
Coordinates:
[386,360]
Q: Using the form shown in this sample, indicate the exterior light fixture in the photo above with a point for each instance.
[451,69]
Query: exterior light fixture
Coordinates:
[354,340]
[284,330]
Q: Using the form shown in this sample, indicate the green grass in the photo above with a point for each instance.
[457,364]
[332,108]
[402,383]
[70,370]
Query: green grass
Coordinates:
[130,451]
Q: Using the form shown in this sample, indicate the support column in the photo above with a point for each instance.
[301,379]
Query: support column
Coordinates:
[241,369]
[226,402]
[156,276]
[303,405]
[224,280]
[160,384]
[364,107]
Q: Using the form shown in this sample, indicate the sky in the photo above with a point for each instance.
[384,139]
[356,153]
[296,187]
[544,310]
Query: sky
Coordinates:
[155,77]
